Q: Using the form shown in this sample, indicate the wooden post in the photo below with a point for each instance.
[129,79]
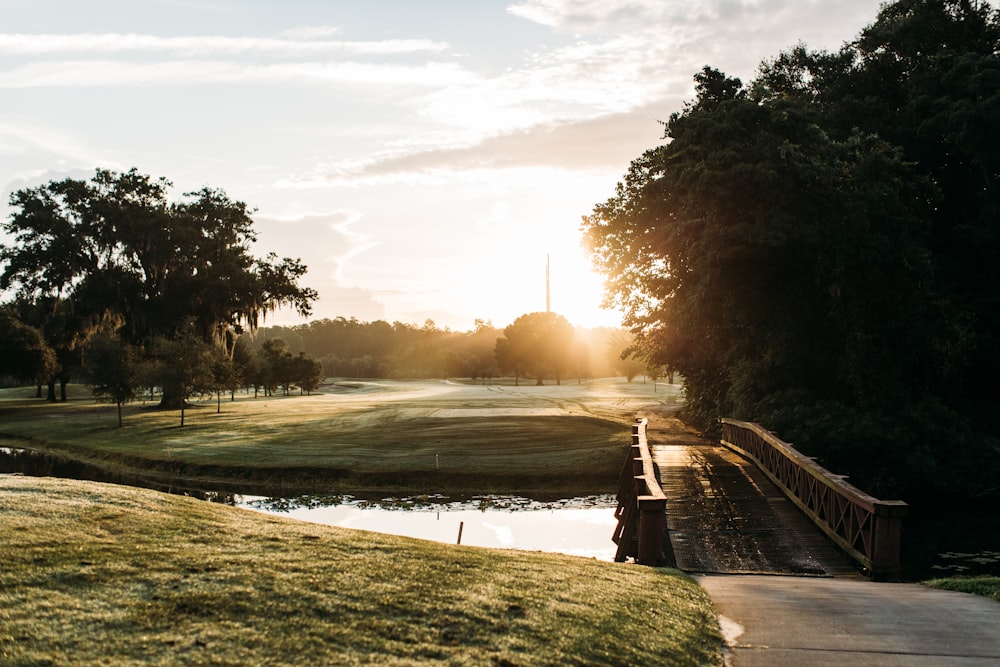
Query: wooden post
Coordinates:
[652,521]
[887,538]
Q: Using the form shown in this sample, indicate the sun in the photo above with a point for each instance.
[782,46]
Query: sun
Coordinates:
[574,290]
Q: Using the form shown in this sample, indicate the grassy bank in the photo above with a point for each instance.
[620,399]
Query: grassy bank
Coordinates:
[101,574]
[986,586]
[424,436]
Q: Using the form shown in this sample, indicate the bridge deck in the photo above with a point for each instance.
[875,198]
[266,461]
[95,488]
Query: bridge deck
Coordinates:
[725,516]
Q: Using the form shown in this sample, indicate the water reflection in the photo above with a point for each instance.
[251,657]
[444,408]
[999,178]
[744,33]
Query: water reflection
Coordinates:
[577,526]
[574,526]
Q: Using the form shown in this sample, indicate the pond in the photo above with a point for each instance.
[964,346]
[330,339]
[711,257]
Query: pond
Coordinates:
[575,526]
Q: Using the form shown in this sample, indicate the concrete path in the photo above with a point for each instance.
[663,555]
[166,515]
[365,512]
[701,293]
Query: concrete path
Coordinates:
[776,621]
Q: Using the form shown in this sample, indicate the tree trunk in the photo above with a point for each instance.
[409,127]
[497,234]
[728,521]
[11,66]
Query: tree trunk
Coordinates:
[62,389]
[119,414]
[51,398]
[172,398]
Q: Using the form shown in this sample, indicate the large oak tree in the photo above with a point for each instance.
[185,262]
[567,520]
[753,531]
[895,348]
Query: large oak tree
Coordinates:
[117,245]
[818,250]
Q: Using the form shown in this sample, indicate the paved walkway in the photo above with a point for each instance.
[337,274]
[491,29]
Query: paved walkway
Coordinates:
[778,621]
[784,595]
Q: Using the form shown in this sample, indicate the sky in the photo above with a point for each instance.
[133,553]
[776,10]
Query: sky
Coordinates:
[425,159]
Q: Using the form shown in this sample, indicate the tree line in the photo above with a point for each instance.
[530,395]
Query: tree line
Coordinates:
[536,347]
[818,249]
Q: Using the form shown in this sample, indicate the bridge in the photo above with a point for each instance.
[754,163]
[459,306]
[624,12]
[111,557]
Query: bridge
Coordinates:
[749,504]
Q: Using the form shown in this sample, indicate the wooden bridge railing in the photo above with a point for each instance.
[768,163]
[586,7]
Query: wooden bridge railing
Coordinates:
[866,528]
[642,507]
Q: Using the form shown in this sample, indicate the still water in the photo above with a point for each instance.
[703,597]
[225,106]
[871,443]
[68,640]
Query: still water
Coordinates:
[575,526]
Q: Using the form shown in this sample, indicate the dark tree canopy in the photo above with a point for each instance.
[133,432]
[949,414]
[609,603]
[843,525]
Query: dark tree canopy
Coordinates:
[24,354]
[818,250]
[117,243]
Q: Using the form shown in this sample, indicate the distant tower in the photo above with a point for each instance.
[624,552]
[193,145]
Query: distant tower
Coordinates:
[548,292]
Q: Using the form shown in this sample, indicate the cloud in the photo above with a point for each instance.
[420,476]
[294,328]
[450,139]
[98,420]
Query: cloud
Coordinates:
[27,139]
[304,43]
[328,240]
[715,25]
[117,59]
[602,15]
[581,14]
[610,141]
[108,73]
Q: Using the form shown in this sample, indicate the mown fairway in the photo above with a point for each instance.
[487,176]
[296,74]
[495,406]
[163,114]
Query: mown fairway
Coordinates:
[415,436]
[102,574]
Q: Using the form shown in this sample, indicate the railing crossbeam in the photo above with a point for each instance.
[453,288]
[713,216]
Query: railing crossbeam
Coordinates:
[866,528]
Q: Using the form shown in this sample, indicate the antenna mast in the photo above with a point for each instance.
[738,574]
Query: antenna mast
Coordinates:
[548,293]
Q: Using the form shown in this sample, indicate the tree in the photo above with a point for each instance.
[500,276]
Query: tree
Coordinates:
[821,246]
[186,364]
[925,76]
[24,355]
[623,356]
[308,372]
[246,367]
[275,367]
[64,331]
[537,344]
[116,244]
[112,367]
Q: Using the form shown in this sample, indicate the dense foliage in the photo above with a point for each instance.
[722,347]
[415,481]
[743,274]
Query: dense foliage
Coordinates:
[537,344]
[115,253]
[354,349]
[819,250]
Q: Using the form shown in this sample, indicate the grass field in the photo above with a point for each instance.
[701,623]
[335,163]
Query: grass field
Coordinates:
[96,574]
[985,586]
[413,436]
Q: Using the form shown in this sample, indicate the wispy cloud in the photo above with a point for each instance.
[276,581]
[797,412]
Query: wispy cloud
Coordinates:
[299,43]
[333,232]
[601,15]
[24,139]
[728,22]
[604,142]
[105,72]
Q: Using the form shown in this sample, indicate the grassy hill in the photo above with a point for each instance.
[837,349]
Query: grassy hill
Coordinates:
[101,574]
